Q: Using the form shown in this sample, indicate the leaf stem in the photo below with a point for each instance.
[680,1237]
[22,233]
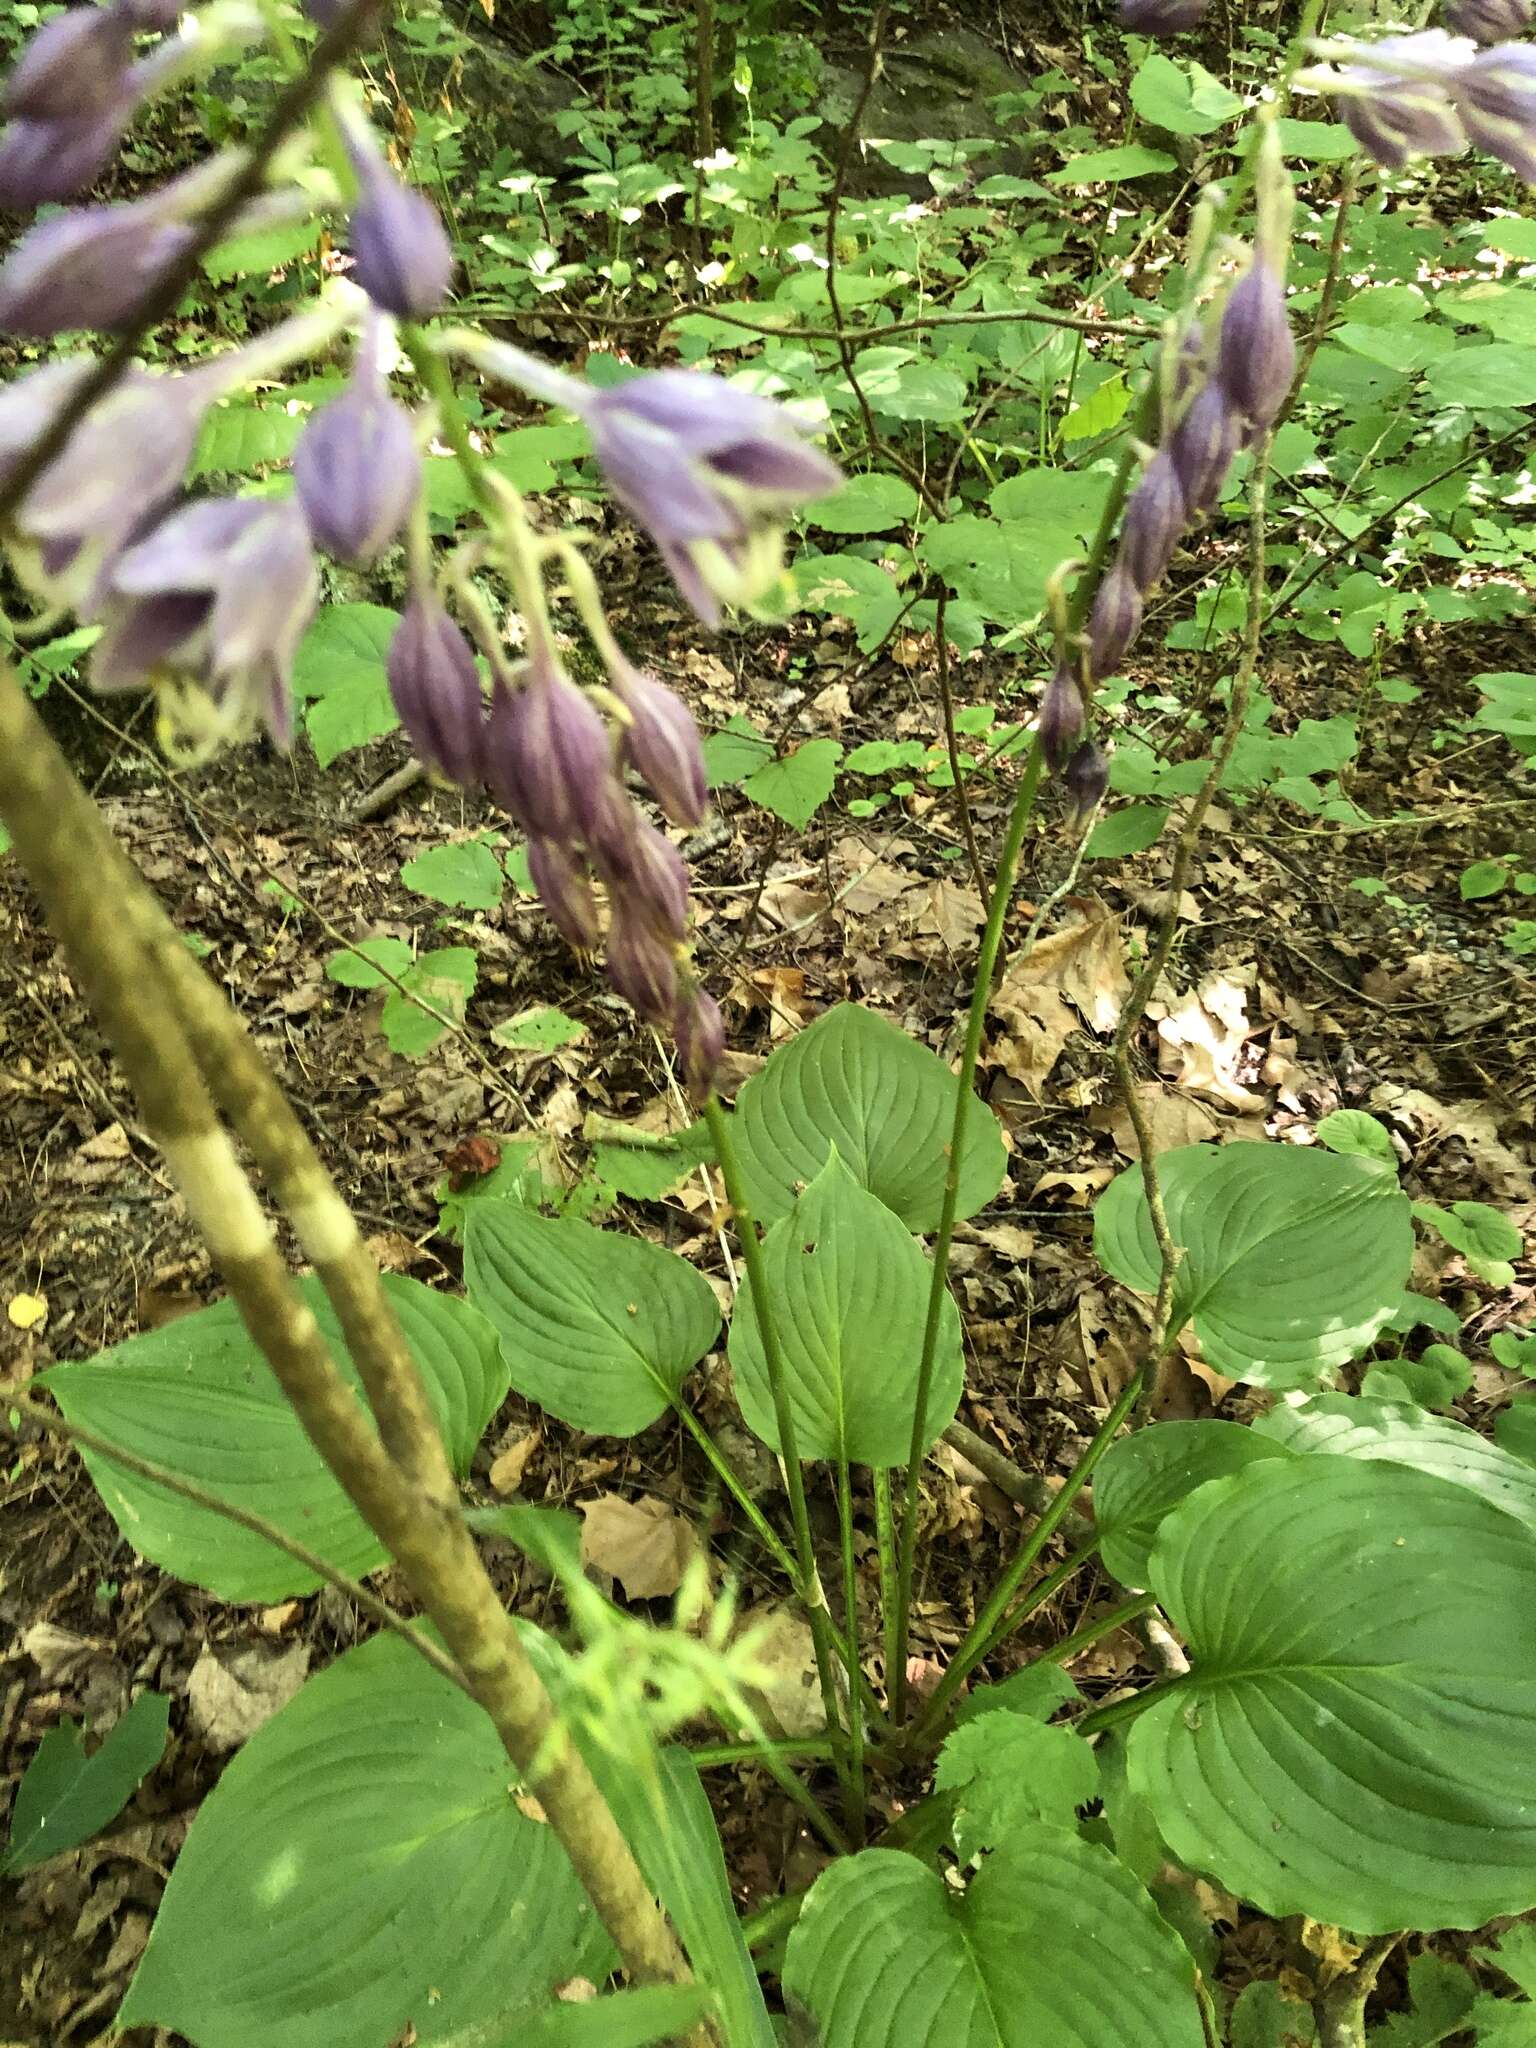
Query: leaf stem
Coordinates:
[885,1544]
[855,1806]
[728,1477]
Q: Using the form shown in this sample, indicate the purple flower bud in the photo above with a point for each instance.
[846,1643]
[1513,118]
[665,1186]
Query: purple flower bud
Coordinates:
[436,690]
[565,890]
[642,967]
[550,758]
[1160,17]
[1061,718]
[1189,365]
[1496,98]
[1113,624]
[661,743]
[44,162]
[91,268]
[642,866]
[1395,99]
[1256,355]
[401,256]
[1086,780]
[357,471]
[1488,21]
[73,67]
[1204,443]
[699,1031]
[1154,520]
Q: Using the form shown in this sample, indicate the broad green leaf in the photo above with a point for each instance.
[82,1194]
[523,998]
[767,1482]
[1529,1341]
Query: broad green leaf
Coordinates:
[1440,1995]
[198,1396]
[1497,373]
[872,503]
[598,1328]
[1131,829]
[1052,1944]
[1110,166]
[1510,237]
[1515,1350]
[1483,878]
[849,587]
[1007,1771]
[445,979]
[1432,1380]
[849,1285]
[1038,1690]
[1264,2017]
[1343,1426]
[796,787]
[363,1868]
[1353,1740]
[1294,1260]
[1144,1477]
[1315,142]
[735,752]
[1505,2022]
[542,1029]
[266,250]
[341,663]
[1355,1135]
[65,1796]
[856,1081]
[466,876]
[239,438]
[622,2019]
[358,966]
[1184,102]
[1485,1237]
[1099,412]
[1514,1430]
[646,1172]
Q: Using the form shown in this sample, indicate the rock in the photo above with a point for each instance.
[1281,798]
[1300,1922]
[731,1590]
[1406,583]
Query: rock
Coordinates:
[934,87]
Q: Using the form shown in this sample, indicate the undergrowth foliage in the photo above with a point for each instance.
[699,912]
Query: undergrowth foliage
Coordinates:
[1344,1733]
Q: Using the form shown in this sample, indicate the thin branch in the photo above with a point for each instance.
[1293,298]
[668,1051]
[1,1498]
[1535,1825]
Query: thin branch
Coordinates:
[856,337]
[1340,2011]
[834,209]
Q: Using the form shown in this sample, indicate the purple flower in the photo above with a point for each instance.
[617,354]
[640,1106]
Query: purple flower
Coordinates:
[661,743]
[1154,521]
[401,256]
[1204,442]
[1086,781]
[90,268]
[550,759]
[217,597]
[436,690]
[642,967]
[357,470]
[1160,17]
[1394,95]
[43,162]
[565,890]
[699,1032]
[1061,718]
[1488,21]
[1256,355]
[73,67]
[1113,623]
[1496,97]
[647,873]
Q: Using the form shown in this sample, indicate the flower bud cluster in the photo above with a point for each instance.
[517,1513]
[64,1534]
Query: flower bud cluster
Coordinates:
[1433,92]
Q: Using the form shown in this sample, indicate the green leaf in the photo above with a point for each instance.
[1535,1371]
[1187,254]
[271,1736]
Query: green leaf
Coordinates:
[1509,2023]
[857,1082]
[1102,410]
[647,1172]
[543,1029]
[1038,1690]
[65,1796]
[1315,142]
[1440,1997]
[1184,102]
[1354,1135]
[1475,1230]
[872,503]
[1110,166]
[362,1867]
[1483,878]
[358,966]
[341,663]
[444,978]
[466,875]
[1514,1430]
[1052,1942]
[1496,373]
[1294,1260]
[850,1285]
[1008,1771]
[1515,1350]
[1433,1380]
[1510,237]
[734,753]
[599,1329]
[239,438]
[199,1397]
[622,2019]
[798,785]
[1145,1476]
[881,757]
[266,250]
[1352,1740]
[1264,2017]
[1131,829]
[1341,1426]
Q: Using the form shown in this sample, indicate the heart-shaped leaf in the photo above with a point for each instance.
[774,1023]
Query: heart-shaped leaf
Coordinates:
[1294,1260]
[853,1080]
[1052,1944]
[199,1397]
[1353,1741]
[362,1872]
[849,1284]
[1144,1476]
[599,1329]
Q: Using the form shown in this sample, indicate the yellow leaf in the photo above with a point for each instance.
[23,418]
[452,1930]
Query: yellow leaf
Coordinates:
[26,1311]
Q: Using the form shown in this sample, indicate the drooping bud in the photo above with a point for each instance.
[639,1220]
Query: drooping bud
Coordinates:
[699,1032]
[1154,521]
[1203,445]
[401,255]
[1394,95]
[1113,623]
[1496,98]
[1160,17]
[1256,356]
[661,743]
[91,268]
[550,760]
[357,471]
[642,967]
[1488,21]
[1086,781]
[72,68]
[646,869]
[565,890]
[436,690]
[1061,718]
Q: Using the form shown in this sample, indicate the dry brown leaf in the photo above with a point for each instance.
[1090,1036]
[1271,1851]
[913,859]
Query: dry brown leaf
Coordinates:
[1039,1026]
[642,1544]
[229,1697]
[791,906]
[1204,1034]
[951,913]
[1080,965]
[1503,1171]
[508,1467]
[1172,1118]
[786,1697]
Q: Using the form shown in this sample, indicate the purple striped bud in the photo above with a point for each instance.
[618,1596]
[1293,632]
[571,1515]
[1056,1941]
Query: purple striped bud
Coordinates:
[1062,718]
[1256,355]
[1488,21]
[1496,98]
[73,67]
[699,1032]
[1189,365]
[1113,623]
[646,870]
[550,757]
[1154,520]
[1204,443]
[91,268]
[1160,17]
[565,890]
[661,743]
[357,471]
[1086,781]
[401,256]
[642,967]
[45,162]
[436,690]
[1395,97]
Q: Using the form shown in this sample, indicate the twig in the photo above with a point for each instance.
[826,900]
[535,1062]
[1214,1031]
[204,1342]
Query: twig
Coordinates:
[834,208]
[1031,1491]
[383,795]
[952,741]
[856,337]
[1340,2010]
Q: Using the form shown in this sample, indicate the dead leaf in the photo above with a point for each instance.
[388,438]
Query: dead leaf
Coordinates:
[786,1696]
[59,1654]
[643,1544]
[1172,1118]
[1503,1172]
[1204,1034]
[1081,965]
[508,1467]
[952,914]
[230,1696]
[276,1621]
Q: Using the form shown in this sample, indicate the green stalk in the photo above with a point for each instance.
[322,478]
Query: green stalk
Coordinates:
[1127,1710]
[1036,1597]
[885,1543]
[1095,1631]
[723,1471]
[811,1749]
[773,1758]
[851,1631]
[807,1578]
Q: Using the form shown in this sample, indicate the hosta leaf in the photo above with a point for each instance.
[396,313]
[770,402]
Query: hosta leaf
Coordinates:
[1144,1476]
[1353,1740]
[1294,1260]
[855,1081]
[850,1285]
[1053,1944]
[598,1328]
[199,1397]
[65,1795]
[362,1873]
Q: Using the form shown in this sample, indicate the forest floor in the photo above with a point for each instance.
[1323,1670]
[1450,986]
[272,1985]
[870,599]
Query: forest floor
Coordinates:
[1296,994]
